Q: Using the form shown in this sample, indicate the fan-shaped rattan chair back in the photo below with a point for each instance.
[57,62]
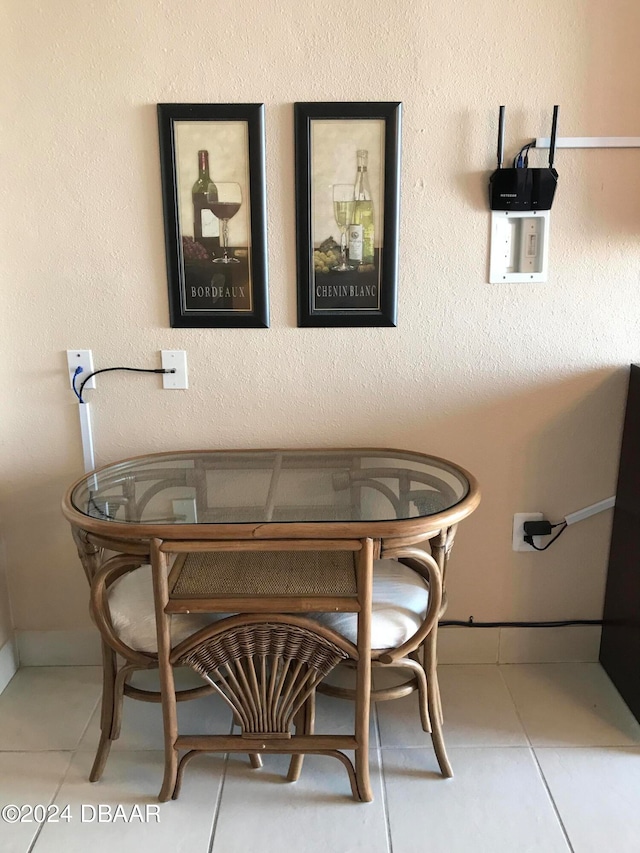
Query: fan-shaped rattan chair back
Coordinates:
[265,671]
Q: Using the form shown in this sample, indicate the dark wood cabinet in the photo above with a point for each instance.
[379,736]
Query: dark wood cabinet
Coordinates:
[620,645]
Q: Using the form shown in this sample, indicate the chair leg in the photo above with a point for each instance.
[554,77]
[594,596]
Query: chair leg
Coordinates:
[423,696]
[307,718]
[170,778]
[118,699]
[107,712]
[430,648]
[170,785]
[433,694]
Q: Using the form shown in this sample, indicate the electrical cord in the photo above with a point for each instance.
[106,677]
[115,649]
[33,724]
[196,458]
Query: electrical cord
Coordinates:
[529,539]
[73,383]
[521,160]
[470,623]
[78,392]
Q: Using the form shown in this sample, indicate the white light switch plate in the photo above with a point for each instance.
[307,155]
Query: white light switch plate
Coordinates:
[174,359]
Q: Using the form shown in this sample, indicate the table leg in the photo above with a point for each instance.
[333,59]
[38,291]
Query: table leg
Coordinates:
[90,555]
[91,558]
[441,546]
[363,674]
[167,685]
[435,705]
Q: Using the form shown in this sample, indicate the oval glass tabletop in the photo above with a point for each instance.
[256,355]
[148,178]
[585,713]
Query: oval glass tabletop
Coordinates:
[239,487]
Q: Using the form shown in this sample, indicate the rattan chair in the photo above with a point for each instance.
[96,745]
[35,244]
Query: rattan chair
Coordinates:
[122,608]
[407,602]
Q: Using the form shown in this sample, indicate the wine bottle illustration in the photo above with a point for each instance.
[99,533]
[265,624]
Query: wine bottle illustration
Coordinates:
[361,233]
[206,229]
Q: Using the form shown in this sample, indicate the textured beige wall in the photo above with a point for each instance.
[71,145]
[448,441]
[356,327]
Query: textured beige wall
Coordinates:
[523,385]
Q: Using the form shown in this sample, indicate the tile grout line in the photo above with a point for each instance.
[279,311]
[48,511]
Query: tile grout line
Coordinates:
[383,780]
[52,800]
[537,763]
[218,802]
[385,802]
[515,706]
[72,754]
[91,716]
[551,799]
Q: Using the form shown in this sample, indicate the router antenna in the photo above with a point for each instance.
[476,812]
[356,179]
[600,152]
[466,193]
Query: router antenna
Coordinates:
[552,144]
[501,137]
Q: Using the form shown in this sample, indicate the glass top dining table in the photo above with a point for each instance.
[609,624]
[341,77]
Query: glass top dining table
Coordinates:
[179,511]
[265,493]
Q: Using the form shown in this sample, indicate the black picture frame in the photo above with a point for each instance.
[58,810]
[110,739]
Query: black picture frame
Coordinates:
[204,290]
[328,137]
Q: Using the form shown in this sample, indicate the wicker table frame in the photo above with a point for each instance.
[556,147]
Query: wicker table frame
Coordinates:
[138,543]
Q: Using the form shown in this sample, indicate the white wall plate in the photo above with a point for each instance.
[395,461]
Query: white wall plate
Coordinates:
[519,250]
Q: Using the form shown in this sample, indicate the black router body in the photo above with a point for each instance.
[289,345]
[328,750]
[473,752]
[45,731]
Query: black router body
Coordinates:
[523,189]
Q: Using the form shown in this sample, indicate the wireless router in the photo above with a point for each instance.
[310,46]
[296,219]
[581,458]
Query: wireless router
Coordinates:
[520,189]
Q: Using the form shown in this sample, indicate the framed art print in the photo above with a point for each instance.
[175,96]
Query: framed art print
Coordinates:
[347,210]
[212,169]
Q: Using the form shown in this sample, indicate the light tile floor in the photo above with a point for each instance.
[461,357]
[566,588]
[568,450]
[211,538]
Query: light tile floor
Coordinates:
[546,757]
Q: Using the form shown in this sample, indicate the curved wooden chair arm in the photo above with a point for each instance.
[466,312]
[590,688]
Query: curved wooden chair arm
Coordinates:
[113,569]
[431,572]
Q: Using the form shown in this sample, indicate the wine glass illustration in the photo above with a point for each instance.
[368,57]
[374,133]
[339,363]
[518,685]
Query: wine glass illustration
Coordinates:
[343,204]
[224,199]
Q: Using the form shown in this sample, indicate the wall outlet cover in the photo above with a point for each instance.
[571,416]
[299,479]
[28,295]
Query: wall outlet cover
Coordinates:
[519,519]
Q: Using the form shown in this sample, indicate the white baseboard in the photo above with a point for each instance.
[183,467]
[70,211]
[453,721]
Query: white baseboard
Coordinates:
[59,648]
[519,645]
[550,645]
[468,645]
[455,645]
[9,662]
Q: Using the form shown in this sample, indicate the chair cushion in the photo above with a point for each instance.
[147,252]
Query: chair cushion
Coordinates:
[133,613]
[400,599]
